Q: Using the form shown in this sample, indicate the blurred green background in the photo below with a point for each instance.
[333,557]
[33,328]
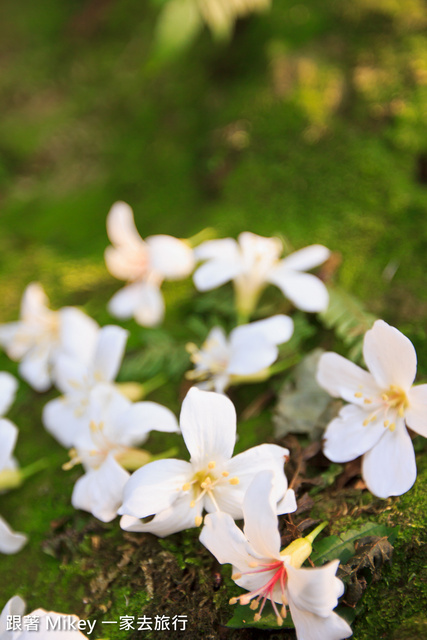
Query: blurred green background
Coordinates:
[308,121]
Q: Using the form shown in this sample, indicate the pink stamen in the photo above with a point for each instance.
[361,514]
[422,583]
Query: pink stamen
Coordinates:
[266,591]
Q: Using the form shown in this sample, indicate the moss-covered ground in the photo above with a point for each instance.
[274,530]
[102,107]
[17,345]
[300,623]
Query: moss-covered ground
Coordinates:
[310,123]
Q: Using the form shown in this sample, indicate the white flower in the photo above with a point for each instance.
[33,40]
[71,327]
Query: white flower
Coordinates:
[144,264]
[10,542]
[116,426]
[249,349]
[48,625]
[42,334]
[220,16]
[177,492]
[253,262]
[383,403]
[270,574]
[67,417]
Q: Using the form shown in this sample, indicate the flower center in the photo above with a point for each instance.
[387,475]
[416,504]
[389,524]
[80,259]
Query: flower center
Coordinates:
[265,592]
[203,483]
[393,400]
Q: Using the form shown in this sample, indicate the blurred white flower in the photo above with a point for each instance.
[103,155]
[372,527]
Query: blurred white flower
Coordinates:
[144,264]
[41,335]
[253,262]
[383,402]
[249,350]
[10,541]
[42,624]
[176,492]
[220,15]
[271,574]
[116,427]
[67,417]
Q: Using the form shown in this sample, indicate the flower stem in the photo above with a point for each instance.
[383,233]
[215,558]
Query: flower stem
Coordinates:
[311,536]
[282,365]
[205,234]
[154,383]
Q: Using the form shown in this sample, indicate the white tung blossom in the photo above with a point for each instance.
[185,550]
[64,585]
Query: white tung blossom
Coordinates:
[253,262]
[41,335]
[40,624]
[67,417]
[383,403]
[116,427]
[10,541]
[144,264]
[249,350]
[176,492]
[268,573]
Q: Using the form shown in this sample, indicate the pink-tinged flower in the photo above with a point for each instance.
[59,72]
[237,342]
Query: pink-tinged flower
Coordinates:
[249,350]
[176,492]
[268,573]
[253,262]
[383,404]
[116,427]
[41,335]
[40,624]
[67,418]
[144,264]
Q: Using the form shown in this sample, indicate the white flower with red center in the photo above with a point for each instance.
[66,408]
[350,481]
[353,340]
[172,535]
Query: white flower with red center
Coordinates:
[250,349]
[67,417]
[383,404]
[176,492]
[41,335]
[116,427]
[10,541]
[253,262]
[14,625]
[269,573]
[144,264]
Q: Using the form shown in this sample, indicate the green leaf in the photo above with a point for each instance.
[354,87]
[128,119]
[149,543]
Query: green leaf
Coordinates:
[342,547]
[178,24]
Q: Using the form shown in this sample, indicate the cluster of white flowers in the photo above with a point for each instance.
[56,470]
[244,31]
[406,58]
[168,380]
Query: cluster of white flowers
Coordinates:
[103,428]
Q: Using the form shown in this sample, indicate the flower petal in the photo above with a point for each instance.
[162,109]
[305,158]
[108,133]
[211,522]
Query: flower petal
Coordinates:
[124,303]
[100,491]
[389,468]
[14,607]
[10,541]
[78,334]
[34,368]
[154,487]
[109,353]
[344,379]
[34,302]
[62,421]
[346,438]
[416,413]
[250,356]
[121,227]
[275,330]
[259,508]
[390,356]
[170,257]
[133,425]
[8,437]
[214,273]
[177,517]
[311,627]
[208,425]
[287,504]
[316,589]
[305,290]
[226,541]
[151,307]
[8,387]
[70,374]
[307,258]
[225,249]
